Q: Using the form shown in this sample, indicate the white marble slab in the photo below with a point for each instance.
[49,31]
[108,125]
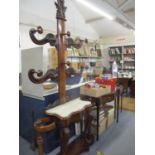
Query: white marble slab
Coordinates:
[66,109]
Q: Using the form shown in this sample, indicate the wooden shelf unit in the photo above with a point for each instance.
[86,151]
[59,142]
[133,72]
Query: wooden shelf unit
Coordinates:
[124,56]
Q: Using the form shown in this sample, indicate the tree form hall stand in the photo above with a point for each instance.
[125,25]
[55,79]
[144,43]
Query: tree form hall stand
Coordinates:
[65,113]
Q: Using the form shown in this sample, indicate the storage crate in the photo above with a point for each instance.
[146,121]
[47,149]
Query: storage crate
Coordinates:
[110,117]
[102,126]
[95,92]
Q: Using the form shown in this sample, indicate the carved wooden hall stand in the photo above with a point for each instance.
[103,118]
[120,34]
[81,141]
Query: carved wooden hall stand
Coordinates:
[65,113]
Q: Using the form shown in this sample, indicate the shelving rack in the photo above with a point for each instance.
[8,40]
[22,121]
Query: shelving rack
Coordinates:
[91,59]
[128,58]
[115,54]
[124,56]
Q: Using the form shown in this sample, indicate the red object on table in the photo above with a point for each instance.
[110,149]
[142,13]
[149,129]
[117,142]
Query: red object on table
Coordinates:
[111,82]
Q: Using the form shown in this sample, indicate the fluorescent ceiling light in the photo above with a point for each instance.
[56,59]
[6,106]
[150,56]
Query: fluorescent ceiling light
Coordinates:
[95,9]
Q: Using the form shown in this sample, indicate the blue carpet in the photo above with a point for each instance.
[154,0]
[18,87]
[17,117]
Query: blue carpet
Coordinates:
[119,139]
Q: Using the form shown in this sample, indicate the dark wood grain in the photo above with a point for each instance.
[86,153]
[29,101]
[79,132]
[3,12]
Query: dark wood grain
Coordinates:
[61,9]
[49,38]
[83,142]
[38,77]
[41,126]
[61,43]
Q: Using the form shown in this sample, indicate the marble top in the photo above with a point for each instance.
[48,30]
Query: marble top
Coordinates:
[68,108]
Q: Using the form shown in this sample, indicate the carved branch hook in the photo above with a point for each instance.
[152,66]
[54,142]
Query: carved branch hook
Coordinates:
[40,78]
[49,38]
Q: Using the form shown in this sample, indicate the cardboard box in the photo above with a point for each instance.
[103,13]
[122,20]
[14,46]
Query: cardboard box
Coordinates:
[95,92]
[102,127]
[110,118]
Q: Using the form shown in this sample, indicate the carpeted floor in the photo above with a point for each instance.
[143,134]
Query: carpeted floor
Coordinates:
[119,139]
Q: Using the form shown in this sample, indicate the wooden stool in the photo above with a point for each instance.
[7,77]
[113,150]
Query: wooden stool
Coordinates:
[41,128]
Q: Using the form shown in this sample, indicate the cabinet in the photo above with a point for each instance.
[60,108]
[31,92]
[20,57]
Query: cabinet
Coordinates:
[124,56]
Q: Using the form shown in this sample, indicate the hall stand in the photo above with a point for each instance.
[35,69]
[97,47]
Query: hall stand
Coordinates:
[55,117]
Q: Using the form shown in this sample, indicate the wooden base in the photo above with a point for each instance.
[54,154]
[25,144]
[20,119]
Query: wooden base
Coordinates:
[76,147]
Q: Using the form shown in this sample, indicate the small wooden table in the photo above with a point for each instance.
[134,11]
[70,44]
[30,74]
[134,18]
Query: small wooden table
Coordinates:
[71,112]
[102,99]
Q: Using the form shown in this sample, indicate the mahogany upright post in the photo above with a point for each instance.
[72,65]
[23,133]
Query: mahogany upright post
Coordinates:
[61,60]
[61,49]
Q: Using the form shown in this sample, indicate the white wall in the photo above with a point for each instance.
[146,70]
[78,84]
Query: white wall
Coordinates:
[32,58]
[114,41]
[40,12]
[33,13]
[119,40]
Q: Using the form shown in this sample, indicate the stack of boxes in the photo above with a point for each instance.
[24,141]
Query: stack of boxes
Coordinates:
[102,122]
[106,118]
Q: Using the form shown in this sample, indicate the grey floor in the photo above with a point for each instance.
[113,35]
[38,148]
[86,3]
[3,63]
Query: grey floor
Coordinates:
[119,139]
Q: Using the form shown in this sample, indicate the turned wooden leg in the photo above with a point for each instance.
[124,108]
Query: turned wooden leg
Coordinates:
[40,144]
[41,128]
[98,110]
[121,102]
[115,107]
[64,138]
[118,98]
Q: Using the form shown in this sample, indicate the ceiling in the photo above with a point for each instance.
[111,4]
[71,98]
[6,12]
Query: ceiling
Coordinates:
[123,12]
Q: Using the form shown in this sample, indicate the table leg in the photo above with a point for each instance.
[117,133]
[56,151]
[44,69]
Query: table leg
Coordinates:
[121,102]
[97,105]
[117,108]
[81,126]
[88,136]
[64,135]
[40,144]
